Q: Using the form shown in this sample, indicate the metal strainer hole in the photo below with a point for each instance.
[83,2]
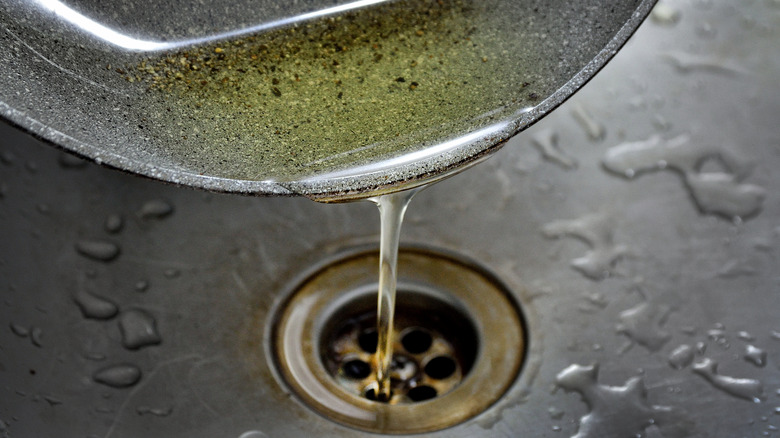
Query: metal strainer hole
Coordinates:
[368,340]
[356,369]
[422,393]
[417,341]
[440,367]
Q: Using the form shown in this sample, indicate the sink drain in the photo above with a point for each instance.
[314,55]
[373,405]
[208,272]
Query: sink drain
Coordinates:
[459,342]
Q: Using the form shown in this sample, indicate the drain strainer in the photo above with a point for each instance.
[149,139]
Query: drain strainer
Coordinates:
[459,342]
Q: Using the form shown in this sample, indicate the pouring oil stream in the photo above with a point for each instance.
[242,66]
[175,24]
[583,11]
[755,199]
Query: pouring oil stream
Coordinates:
[391,212]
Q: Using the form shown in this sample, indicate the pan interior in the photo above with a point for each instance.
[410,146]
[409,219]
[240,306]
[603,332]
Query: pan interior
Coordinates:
[273,93]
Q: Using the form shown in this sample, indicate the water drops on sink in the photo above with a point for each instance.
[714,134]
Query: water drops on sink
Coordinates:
[681,357]
[619,411]
[155,209]
[643,324]
[118,376]
[721,192]
[99,250]
[665,14]
[597,231]
[595,130]
[94,306]
[546,141]
[755,355]
[748,389]
[114,223]
[138,328]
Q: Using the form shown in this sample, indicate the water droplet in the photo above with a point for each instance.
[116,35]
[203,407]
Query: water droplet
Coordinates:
[556,428]
[253,434]
[748,389]
[93,306]
[138,328]
[777,410]
[19,330]
[718,193]
[775,335]
[51,400]
[745,336]
[158,412]
[595,130]
[597,231]
[118,376]
[546,142]
[643,325]
[99,250]
[172,273]
[141,286]
[155,209]
[734,268]
[31,166]
[7,158]
[721,193]
[114,223]
[681,357]
[701,348]
[628,403]
[689,63]
[555,413]
[36,335]
[665,15]
[70,161]
[755,355]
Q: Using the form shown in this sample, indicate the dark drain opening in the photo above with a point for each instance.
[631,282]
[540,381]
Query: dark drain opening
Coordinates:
[435,346]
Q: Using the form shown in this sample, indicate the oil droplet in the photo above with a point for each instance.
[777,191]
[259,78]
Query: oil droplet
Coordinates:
[114,223]
[619,411]
[546,142]
[755,355]
[100,250]
[713,192]
[748,389]
[665,15]
[93,306]
[595,130]
[157,412]
[138,328]
[643,325]
[597,231]
[118,376]
[681,357]
[155,209]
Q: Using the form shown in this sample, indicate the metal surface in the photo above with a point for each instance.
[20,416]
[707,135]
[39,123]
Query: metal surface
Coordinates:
[59,81]
[691,286]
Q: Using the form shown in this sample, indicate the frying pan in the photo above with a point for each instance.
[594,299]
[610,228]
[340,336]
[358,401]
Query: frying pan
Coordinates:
[85,76]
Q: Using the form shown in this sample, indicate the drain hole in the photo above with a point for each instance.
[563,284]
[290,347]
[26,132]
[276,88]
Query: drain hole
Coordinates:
[417,341]
[421,393]
[440,367]
[371,395]
[368,340]
[356,369]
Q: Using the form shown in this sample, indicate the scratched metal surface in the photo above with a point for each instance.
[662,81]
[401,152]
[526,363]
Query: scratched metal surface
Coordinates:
[652,307]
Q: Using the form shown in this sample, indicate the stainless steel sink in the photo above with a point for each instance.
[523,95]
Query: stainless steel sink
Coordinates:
[637,226]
